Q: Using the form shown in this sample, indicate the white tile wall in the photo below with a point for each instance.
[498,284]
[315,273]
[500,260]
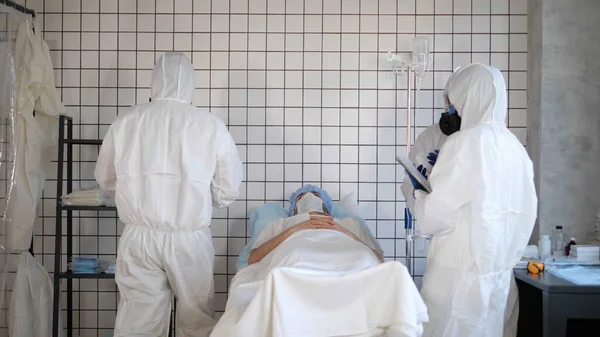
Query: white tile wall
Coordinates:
[303,85]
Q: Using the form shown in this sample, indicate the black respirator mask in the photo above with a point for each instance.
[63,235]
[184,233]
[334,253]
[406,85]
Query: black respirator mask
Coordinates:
[450,121]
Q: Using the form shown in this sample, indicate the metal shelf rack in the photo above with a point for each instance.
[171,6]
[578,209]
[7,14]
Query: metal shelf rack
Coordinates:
[65,140]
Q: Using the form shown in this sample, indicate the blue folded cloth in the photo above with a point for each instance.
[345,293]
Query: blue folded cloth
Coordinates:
[86,261]
[111,269]
[86,265]
[88,271]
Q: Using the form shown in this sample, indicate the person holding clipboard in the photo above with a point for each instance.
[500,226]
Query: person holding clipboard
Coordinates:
[480,212]
[426,148]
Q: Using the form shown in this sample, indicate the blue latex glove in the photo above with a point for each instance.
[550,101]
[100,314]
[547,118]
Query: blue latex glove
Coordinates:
[433,156]
[417,185]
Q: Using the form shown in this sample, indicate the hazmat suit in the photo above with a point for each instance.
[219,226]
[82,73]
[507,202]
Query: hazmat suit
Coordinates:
[429,140]
[36,135]
[167,162]
[31,301]
[481,212]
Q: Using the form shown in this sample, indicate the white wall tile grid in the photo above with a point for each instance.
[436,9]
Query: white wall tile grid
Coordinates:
[303,85]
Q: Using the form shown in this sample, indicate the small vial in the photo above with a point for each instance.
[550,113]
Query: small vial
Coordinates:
[558,242]
[568,246]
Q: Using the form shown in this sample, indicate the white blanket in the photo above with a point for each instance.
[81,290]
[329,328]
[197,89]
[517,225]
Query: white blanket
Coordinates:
[321,283]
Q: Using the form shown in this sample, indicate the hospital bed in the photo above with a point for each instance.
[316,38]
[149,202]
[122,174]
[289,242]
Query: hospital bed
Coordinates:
[294,292]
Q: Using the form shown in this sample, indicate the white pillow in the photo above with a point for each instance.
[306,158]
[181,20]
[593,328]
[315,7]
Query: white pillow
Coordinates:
[350,203]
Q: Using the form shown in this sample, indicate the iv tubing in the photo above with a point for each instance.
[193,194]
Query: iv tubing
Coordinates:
[408,110]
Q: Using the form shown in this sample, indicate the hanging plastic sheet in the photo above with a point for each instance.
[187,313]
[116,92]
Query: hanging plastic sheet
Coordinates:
[34,115]
[9,20]
[26,142]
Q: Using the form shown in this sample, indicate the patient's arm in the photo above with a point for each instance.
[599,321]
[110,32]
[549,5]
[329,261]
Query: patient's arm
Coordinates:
[257,254]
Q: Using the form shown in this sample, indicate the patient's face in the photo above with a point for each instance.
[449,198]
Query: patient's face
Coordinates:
[315,194]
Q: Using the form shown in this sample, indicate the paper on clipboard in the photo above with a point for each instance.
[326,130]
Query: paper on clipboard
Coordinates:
[413,172]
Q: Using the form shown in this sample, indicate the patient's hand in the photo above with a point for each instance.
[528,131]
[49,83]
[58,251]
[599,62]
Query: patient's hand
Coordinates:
[329,223]
[315,222]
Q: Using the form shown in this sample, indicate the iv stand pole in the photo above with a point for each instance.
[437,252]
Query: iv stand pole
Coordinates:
[409,226]
[400,67]
[409,67]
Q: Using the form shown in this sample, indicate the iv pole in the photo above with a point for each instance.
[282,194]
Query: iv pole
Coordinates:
[400,65]
[418,61]
[408,223]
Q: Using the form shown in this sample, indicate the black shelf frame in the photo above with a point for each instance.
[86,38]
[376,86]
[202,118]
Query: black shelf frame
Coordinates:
[66,140]
[87,208]
[17,7]
[83,141]
[71,275]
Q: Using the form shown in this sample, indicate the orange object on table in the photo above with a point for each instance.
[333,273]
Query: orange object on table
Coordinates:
[535,267]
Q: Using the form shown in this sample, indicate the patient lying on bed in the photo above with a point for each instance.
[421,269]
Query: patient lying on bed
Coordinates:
[316,240]
[298,261]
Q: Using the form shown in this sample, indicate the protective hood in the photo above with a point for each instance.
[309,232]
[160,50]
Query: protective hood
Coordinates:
[448,83]
[173,78]
[478,93]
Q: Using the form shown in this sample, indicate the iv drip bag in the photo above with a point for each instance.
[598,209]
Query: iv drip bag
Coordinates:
[420,56]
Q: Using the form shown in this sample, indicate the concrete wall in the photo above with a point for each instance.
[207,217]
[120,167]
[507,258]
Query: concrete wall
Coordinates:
[564,112]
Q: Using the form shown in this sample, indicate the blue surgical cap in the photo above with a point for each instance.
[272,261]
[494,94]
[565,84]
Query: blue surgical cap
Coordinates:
[310,188]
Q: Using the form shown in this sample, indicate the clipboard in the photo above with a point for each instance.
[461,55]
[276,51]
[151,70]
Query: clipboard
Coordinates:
[413,172]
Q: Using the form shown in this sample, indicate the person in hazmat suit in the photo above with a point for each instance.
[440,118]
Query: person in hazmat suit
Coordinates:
[168,163]
[480,214]
[425,150]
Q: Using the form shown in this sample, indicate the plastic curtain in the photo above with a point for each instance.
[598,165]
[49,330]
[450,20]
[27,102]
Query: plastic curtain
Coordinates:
[9,20]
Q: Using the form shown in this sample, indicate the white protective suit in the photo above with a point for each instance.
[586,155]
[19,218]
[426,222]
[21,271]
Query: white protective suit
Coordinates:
[36,136]
[168,162]
[31,301]
[429,140]
[481,212]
